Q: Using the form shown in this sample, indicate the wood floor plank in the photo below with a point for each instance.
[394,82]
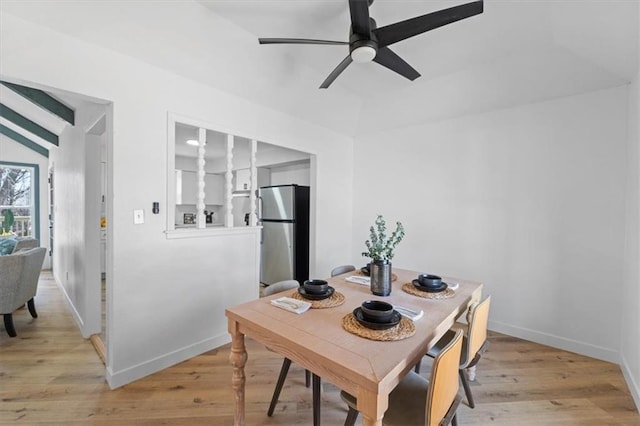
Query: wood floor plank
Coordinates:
[49,374]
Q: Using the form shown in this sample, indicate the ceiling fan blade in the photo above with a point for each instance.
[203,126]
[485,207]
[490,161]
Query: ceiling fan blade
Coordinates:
[336,72]
[399,31]
[360,17]
[387,58]
[298,41]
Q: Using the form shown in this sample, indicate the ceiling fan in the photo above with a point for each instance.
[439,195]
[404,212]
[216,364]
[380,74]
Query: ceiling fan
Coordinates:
[369,43]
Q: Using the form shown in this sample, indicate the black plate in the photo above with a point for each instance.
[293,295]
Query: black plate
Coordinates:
[395,320]
[441,287]
[311,296]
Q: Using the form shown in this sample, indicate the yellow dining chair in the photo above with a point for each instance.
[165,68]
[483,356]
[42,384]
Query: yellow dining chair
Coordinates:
[474,342]
[342,269]
[418,401]
[284,370]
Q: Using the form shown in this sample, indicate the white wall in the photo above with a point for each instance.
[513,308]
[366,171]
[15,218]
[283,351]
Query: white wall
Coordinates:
[630,329]
[76,262]
[12,151]
[167,296]
[528,200]
[294,173]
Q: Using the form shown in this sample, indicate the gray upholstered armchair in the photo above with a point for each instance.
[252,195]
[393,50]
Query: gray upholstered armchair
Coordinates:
[19,273]
[15,244]
[23,243]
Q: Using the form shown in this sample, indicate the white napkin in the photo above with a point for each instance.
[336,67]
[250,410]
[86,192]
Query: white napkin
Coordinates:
[409,313]
[453,286]
[292,305]
[359,279]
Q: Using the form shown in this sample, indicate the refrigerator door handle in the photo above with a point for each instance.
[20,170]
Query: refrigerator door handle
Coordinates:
[259,210]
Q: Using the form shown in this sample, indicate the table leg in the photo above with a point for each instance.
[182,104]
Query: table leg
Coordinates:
[372,406]
[238,359]
[368,421]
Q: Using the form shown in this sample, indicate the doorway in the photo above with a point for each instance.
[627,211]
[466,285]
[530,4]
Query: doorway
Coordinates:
[73,146]
[51,181]
[96,234]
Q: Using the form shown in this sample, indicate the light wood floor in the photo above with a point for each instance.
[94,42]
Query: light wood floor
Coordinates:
[49,374]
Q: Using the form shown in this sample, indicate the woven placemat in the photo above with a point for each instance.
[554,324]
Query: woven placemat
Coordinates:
[336,299]
[411,289]
[404,329]
[393,276]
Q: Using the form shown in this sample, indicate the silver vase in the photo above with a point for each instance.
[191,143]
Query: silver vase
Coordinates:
[380,273]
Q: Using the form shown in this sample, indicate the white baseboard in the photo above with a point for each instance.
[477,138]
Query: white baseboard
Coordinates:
[121,378]
[563,343]
[74,312]
[632,382]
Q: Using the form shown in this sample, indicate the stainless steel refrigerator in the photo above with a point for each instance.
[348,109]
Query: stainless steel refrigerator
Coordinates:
[283,212]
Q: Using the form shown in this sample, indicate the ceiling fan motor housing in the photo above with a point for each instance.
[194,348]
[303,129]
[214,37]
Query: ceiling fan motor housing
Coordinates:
[363,47]
[363,50]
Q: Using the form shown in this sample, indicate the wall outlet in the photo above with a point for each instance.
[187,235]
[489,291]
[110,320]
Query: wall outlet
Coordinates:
[138,217]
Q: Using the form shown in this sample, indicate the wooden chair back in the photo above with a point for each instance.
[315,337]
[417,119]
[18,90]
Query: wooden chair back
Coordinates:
[280,286]
[342,269]
[477,335]
[443,385]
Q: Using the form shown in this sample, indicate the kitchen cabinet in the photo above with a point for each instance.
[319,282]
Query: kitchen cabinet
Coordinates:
[187,188]
[242,180]
[214,189]
[264,177]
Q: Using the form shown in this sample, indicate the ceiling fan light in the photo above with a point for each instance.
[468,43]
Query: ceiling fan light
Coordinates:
[363,54]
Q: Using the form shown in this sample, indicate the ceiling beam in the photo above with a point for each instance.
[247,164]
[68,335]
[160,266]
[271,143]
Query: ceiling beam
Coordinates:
[23,140]
[44,100]
[28,125]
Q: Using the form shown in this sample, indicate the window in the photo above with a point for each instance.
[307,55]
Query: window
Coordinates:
[212,177]
[18,195]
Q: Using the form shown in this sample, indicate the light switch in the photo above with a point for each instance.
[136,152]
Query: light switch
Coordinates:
[138,217]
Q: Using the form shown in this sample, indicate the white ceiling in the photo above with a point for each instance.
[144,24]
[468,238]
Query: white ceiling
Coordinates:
[516,52]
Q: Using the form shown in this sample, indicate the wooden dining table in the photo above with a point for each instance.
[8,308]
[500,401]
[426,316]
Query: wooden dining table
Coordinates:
[316,339]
